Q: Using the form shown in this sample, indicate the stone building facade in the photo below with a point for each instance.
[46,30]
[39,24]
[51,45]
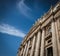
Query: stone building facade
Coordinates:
[43,38]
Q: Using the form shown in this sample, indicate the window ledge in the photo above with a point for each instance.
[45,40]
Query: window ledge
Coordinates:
[49,34]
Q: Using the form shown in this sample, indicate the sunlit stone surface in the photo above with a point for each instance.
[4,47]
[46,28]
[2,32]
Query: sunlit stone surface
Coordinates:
[44,37]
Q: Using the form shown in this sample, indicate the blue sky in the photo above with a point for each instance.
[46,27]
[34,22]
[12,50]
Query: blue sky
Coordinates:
[16,18]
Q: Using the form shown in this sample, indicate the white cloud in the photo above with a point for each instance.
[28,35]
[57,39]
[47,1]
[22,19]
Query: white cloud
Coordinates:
[5,28]
[24,9]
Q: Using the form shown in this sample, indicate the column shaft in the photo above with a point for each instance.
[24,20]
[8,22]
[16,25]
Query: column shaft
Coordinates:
[21,52]
[56,26]
[27,48]
[33,44]
[37,44]
[42,43]
[54,40]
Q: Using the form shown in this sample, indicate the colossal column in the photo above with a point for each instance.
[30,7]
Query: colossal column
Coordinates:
[42,43]
[21,52]
[33,44]
[54,40]
[37,44]
[57,34]
[27,48]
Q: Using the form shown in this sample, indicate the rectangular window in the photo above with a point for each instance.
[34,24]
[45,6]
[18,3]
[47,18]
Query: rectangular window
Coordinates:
[50,51]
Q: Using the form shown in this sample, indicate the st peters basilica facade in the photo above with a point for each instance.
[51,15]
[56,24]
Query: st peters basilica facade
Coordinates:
[43,38]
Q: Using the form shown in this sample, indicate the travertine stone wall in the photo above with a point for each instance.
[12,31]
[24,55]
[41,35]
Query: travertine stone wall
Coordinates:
[45,33]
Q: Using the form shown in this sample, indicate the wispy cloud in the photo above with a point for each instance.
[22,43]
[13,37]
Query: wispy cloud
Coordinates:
[5,28]
[24,9]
